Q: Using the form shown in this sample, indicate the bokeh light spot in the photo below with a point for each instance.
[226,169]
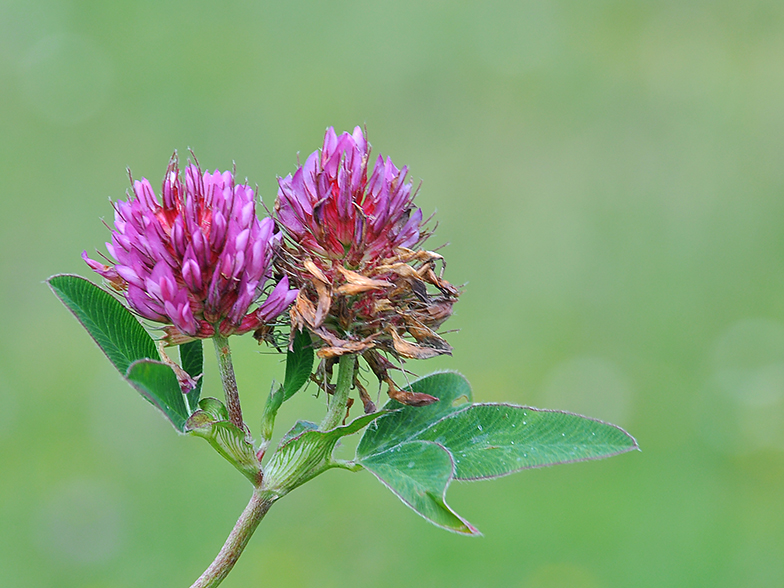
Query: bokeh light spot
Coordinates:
[741,407]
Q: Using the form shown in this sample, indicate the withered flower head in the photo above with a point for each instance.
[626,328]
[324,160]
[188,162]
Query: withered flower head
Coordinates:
[353,246]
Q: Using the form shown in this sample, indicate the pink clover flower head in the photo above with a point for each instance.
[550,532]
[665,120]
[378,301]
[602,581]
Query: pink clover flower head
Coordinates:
[197,262]
[330,206]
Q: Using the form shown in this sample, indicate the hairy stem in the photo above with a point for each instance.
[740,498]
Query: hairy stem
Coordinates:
[226,369]
[336,411]
[259,504]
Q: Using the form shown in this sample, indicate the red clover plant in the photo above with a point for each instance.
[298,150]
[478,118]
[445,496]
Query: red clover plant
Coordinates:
[340,273]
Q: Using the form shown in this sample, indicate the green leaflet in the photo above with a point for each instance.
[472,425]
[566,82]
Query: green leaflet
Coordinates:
[116,331]
[453,392]
[128,346]
[299,364]
[274,402]
[419,472]
[158,384]
[492,440]
[482,440]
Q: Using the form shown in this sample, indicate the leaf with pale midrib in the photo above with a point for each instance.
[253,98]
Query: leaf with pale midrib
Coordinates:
[116,331]
[419,472]
[128,346]
[492,440]
[483,441]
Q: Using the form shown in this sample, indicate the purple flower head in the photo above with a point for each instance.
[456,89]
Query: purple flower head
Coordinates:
[331,207]
[199,261]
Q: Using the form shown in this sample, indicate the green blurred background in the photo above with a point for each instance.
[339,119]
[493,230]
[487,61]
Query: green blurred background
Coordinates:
[609,175]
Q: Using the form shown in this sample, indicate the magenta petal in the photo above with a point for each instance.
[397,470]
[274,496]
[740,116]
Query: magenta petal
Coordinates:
[141,302]
[359,139]
[241,240]
[145,194]
[129,275]
[279,300]
[191,274]
[218,232]
[101,269]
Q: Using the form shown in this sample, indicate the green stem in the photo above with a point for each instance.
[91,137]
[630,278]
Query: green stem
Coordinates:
[226,369]
[259,504]
[336,411]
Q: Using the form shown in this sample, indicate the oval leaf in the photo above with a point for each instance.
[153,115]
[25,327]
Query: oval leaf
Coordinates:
[158,384]
[453,392]
[419,472]
[492,440]
[128,346]
[482,441]
[116,331]
[299,364]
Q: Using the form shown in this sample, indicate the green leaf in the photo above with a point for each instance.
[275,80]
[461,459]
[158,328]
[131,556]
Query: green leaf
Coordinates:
[306,453]
[454,394]
[116,331]
[128,346]
[483,441]
[492,440]
[299,364]
[211,422]
[419,472]
[192,360]
[158,384]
